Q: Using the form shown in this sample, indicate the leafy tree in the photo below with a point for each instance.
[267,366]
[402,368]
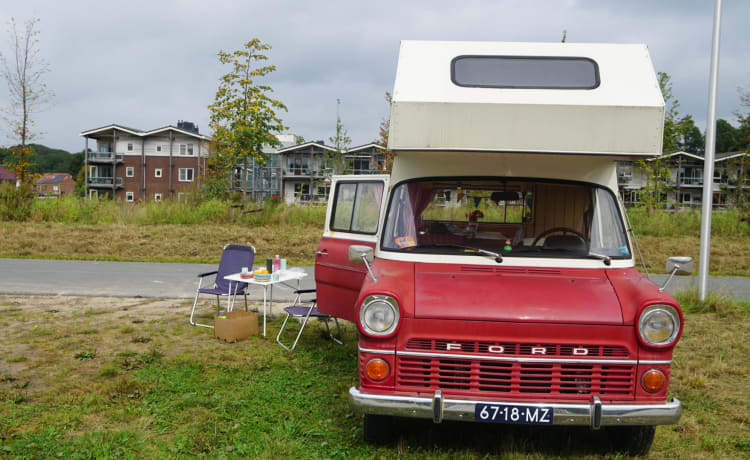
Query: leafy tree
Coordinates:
[382,140]
[727,137]
[23,71]
[691,138]
[341,142]
[243,115]
[672,133]
[658,180]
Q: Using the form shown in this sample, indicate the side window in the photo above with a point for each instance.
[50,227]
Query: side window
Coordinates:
[357,207]
[342,213]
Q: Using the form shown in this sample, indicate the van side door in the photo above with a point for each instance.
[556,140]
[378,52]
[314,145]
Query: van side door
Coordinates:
[355,208]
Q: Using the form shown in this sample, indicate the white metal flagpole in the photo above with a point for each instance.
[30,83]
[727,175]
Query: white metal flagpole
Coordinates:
[708,160]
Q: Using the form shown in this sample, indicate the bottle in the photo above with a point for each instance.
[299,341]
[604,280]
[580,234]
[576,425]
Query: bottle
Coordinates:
[276,264]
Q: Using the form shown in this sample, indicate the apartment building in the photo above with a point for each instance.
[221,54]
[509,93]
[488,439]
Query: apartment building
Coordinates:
[135,165]
[684,186]
[54,185]
[300,173]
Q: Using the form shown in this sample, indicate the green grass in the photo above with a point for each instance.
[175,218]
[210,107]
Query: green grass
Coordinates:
[185,394]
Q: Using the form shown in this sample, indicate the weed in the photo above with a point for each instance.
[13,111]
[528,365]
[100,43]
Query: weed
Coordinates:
[83,355]
[17,359]
[141,339]
[89,331]
[127,329]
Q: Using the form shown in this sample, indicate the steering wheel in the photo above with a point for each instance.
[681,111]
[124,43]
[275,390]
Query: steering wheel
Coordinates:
[563,230]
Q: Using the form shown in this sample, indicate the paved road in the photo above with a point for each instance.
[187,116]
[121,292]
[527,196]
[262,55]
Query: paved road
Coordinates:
[129,279]
[119,279]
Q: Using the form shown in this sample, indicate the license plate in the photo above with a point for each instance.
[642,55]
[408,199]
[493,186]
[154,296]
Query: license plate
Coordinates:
[526,415]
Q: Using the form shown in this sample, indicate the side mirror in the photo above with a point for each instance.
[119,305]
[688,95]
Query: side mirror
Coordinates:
[359,253]
[677,266]
[680,265]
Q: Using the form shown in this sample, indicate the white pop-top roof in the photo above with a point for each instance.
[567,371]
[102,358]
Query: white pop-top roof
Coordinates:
[623,115]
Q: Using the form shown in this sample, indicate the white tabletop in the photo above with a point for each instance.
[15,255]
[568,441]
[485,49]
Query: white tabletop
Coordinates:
[285,275]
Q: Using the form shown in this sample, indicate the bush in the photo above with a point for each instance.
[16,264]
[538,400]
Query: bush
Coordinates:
[686,223]
[15,202]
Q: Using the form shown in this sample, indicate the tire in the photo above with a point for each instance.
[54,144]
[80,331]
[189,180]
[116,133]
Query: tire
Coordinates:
[635,440]
[379,429]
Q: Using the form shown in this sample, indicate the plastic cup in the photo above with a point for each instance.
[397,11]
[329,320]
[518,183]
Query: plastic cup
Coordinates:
[244,270]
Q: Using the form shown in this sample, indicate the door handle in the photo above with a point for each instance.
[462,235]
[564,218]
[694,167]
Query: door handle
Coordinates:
[321,253]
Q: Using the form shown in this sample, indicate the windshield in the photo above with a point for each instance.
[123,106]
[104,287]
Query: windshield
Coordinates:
[523,218]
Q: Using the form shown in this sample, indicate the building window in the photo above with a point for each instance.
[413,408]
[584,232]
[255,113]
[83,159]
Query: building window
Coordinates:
[157,197]
[186,174]
[130,146]
[158,148]
[157,172]
[182,197]
[54,187]
[129,171]
[129,197]
[190,149]
[183,149]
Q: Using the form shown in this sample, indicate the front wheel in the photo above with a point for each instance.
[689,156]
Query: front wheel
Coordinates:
[379,429]
[635,440]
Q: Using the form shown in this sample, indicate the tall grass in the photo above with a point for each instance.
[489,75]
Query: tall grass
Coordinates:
[686,223]
[73,210]
[83,211]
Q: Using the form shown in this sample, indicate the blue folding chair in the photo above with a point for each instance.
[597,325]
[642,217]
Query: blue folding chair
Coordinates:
[233,258]
[297,310]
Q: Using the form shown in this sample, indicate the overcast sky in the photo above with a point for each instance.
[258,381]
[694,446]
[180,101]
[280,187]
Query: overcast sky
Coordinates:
[147,64]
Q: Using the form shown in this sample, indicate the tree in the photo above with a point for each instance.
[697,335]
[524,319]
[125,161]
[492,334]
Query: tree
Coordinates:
[691,138]
[243,115]
[24,71]
[727,137]
[383,132]
[658,180]
[671,142]
[341,142]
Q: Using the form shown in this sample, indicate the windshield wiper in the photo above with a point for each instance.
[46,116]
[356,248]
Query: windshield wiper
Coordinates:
[498,258]
[607,260]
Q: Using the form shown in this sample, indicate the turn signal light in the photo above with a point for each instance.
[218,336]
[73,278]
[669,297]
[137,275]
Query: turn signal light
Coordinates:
[653,380]
[377,369]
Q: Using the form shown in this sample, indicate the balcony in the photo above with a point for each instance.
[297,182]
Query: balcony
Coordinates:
[105,182]
[105,157]
[691,181]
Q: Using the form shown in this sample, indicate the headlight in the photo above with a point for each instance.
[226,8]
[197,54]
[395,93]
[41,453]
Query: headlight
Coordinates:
[379,315]
[659,325]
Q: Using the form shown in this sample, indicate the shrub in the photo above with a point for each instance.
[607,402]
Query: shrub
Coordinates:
[15,202]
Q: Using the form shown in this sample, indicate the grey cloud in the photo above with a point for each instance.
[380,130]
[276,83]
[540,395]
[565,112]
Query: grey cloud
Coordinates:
[148,64]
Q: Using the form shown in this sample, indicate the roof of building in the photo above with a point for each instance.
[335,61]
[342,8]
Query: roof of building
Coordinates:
[6,175]
[141,133]
[371,145]
[717,157]
[53,178]
[305,145]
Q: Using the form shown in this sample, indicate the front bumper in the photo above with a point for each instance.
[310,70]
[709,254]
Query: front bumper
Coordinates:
[594,414]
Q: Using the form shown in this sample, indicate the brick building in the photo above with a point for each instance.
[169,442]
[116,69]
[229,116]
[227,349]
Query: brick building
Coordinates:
[135,165]
[54,185]
[7,176]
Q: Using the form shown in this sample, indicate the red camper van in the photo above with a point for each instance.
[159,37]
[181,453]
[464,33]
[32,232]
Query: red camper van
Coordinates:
[492,274]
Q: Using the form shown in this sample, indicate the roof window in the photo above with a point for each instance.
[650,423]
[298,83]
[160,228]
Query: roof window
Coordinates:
[525,72]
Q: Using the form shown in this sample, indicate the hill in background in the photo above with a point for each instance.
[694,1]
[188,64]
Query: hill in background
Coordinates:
[48,160]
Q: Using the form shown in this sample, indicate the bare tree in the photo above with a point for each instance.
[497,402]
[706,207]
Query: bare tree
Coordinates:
[23,70]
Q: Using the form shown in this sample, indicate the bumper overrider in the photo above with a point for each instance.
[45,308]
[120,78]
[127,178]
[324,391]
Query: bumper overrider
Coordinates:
[594,414]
